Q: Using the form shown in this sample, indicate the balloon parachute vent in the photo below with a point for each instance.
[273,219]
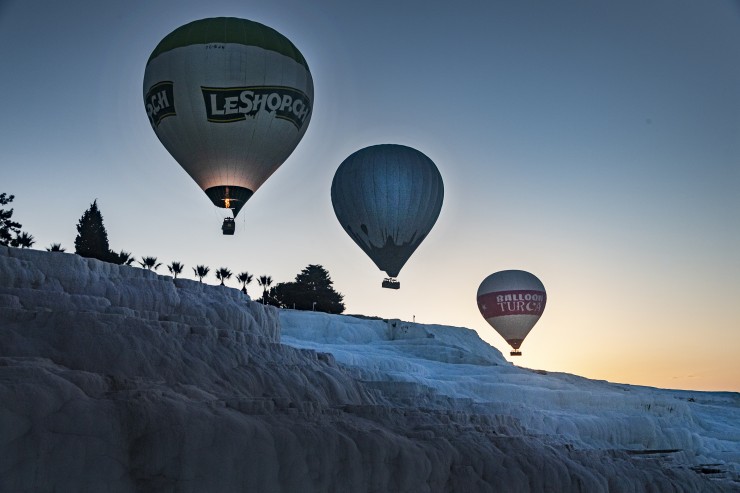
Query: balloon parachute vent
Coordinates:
[391,283]
[516,353]
[229,226]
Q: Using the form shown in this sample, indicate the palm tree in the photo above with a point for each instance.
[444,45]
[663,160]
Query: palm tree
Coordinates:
[55,247]
[201,271]
[265,282]
[25,240]
[222,274]
[244,278]
[123,258]
[175,268]
[149,263]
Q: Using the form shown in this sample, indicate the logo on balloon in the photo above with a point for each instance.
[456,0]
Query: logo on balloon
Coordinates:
[160,102]
[231,104]
[519,302]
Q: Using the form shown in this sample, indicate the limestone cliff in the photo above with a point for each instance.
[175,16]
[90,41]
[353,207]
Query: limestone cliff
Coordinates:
[116,379]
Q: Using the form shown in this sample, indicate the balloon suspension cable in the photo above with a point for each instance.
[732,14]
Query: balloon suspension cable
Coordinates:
[227,202]
[229,206]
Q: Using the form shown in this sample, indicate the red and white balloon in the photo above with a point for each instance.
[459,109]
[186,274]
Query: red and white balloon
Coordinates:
[512,302]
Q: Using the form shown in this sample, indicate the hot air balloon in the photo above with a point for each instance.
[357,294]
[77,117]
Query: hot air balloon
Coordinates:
[512,301]
[387,198]
[230,99]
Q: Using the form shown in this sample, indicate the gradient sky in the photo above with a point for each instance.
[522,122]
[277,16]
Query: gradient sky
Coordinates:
[595,144]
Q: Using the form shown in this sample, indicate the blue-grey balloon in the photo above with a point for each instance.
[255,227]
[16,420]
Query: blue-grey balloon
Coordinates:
[387,198]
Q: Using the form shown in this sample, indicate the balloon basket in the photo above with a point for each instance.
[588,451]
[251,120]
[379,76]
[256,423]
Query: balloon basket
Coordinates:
[391,283]
[516,353]
[229,226]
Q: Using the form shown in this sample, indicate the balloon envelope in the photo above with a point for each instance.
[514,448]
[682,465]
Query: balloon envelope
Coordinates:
[387,198]
[512,302]
[230,99]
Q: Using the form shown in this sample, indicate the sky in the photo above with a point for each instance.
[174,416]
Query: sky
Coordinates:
[592,143]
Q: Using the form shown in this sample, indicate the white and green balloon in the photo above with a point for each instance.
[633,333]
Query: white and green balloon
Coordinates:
[230,99]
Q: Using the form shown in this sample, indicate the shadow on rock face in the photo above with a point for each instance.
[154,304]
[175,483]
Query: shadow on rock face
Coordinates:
[114,378]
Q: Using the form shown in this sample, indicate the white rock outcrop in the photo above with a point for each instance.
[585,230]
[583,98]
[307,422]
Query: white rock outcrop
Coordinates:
[116,379]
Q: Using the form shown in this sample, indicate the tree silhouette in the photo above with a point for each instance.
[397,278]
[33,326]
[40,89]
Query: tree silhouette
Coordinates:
[311,290]
[222,274]
[25,240]
[265,282]
[244,278]
[55,247]
[201,271]
[9,230]
[122,258]
[92,239]
[150,263]
[175,268]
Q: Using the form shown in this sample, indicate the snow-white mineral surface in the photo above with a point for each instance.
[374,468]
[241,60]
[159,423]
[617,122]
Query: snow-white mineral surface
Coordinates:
[116,379]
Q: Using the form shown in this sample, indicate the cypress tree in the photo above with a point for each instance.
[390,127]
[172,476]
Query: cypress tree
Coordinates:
[92,239]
